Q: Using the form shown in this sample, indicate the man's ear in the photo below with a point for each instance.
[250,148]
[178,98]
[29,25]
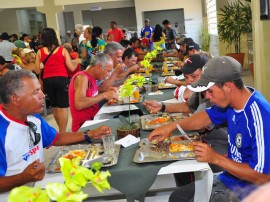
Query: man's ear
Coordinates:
[15,100]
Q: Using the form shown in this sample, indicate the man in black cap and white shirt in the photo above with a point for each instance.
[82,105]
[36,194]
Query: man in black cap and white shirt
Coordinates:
[247,114]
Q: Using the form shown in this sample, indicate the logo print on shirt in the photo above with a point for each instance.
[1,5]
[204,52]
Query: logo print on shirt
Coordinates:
[31,152]
[238,140]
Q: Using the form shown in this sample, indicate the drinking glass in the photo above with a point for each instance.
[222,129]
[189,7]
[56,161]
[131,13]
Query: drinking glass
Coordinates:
[148,88]
[109,144]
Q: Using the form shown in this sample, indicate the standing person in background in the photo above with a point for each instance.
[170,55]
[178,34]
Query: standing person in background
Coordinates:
[156,36]
[56,61]
[39,42]
[6,47]
[33,44]
[96,44]
[83,53]
[147,30]
[170,34]
[79,32]
[69,37]
[26,40]
[74,56]
[116,32]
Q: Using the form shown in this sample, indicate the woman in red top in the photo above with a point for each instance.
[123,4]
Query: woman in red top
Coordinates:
[55,77]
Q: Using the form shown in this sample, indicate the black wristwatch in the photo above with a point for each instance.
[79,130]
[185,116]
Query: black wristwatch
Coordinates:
[162,107]
[86,137]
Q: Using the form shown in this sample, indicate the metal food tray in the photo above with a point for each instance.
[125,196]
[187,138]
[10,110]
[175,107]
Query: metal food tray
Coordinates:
[94,153]
[173,117]
[166,86]
[150,117]
[123,102]
[148,152]
[168,74]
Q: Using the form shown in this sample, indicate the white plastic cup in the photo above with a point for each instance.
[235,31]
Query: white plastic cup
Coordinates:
[109,144]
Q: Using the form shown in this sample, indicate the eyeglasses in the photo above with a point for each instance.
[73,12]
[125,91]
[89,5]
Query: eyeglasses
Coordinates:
[34,137]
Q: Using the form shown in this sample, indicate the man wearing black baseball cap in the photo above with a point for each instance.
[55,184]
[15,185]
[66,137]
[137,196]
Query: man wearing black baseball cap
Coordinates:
[194,48]
[247,114]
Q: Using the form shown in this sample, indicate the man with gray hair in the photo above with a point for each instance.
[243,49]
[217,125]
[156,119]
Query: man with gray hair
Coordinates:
[79,32]
[83,90]
[24,133]
[115,51]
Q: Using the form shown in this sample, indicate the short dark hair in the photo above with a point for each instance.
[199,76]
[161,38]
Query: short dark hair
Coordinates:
[125,43]
[5,36]
[239,83]
[113,22]
[2,60]
[134,39]
[165,22]
[128,53]
[15,36]
[11,83]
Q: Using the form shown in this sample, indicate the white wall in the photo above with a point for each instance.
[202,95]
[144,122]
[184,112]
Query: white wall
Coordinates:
[10,24]
[192,13]
[261,44]
[23,21]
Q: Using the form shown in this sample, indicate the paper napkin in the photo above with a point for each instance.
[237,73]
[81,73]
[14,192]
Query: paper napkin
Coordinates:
[128,140]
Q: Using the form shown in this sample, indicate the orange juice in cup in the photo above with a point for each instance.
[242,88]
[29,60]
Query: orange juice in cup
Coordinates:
[147,72]
[136,93]
[165,69]
[150,68]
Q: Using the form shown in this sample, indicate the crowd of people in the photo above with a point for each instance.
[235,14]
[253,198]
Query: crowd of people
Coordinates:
[86,70]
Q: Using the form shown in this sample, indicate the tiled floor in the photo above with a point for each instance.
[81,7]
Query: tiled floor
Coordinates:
[161,183]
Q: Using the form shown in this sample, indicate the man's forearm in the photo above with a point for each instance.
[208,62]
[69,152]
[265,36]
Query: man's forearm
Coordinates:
[177,107]
[9,182]
[65,138]
[106,84]
[241,170]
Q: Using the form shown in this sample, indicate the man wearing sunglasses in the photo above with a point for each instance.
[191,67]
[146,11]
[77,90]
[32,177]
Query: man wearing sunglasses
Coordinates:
[23,132]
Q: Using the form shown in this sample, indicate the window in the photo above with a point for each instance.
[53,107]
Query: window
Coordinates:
[212,16]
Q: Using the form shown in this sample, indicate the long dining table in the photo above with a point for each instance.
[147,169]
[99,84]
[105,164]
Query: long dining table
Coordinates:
[135,179]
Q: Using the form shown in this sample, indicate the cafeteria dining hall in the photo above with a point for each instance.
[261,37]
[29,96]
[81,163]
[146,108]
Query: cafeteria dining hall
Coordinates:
[134,100]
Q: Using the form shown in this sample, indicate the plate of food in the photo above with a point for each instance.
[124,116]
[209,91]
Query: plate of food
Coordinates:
[152,121]
[170,73]
[121,101]
[168,150]
[166,85]
[87,153]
